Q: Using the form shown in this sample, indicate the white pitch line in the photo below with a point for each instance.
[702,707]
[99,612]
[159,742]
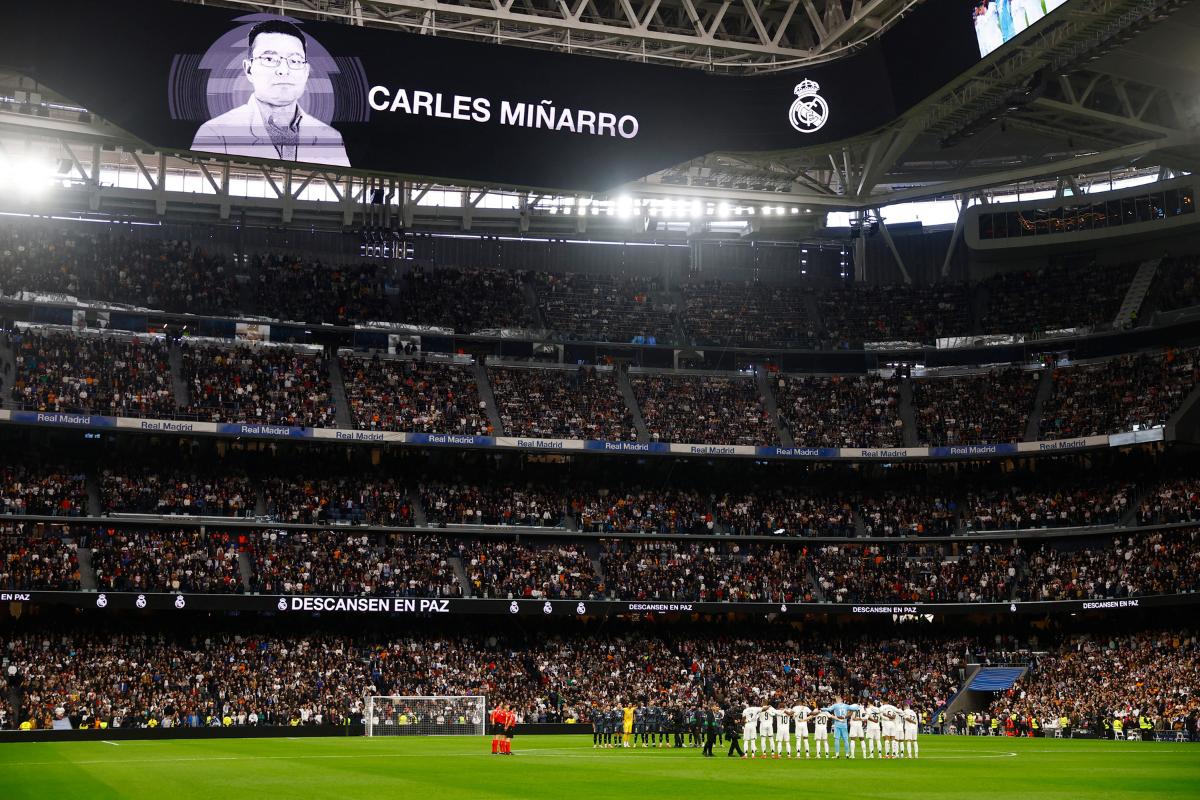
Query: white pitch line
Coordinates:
[549,752]
[106,741]
[236,758]
[599,757]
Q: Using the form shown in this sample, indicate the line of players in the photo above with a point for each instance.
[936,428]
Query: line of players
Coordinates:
[648,726]
[882,731]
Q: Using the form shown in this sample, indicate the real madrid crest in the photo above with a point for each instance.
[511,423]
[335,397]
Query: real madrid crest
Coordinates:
[809,111]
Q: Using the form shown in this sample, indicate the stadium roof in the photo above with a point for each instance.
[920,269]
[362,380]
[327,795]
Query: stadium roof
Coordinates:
[726,35]
[1104,85]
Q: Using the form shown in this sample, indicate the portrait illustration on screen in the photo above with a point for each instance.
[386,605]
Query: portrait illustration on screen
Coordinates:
[279,119]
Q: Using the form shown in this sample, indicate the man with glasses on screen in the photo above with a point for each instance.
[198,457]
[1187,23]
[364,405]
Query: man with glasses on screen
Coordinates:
[272,124]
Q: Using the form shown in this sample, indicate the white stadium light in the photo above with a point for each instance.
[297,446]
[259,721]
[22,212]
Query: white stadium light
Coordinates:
[624,206]
[28,175]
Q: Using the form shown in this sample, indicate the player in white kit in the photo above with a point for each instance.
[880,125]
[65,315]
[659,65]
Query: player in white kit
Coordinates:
[872,745]
[890,729]
[783,737]
[766,730]
[750,729]
[911,723]
[820,724]
[800,718]
[856,730]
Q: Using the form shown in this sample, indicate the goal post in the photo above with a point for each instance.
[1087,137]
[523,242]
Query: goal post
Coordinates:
[393,715]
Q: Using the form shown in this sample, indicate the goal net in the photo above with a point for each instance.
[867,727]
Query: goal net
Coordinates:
[425,716]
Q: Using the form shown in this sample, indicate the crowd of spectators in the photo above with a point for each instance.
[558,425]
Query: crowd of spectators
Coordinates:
[96,262]
[559,404]
[131,680]
[846,411]
[247,678]
[128,377]
[986,572]
[1066,505]
[702,571]
[1176,284]
[108,264]
[321,501]
[275,385]
[258,385]
[623,510]
[703,409]
[185,560]
[1122,394]
[184,679]
[1053,298]
[1158,562]
[862,313]
[604,308]
[37,562]
[726,313]
[909,512]
[296,288]
[493,504]
[134,490]
[778,513]
[1094,679]
[45,490]
[414,396]
[987,408]
[342,562]
[465,299]
[332,563]
[1176,500]
[508,569]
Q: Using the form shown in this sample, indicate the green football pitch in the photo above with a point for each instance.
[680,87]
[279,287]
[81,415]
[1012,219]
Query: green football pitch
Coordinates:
[568,767]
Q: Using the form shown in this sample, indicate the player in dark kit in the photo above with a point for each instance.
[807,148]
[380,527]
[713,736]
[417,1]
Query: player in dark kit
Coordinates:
[664,726]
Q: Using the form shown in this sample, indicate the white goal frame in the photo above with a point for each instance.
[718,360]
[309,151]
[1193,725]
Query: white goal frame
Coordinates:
[425,715]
